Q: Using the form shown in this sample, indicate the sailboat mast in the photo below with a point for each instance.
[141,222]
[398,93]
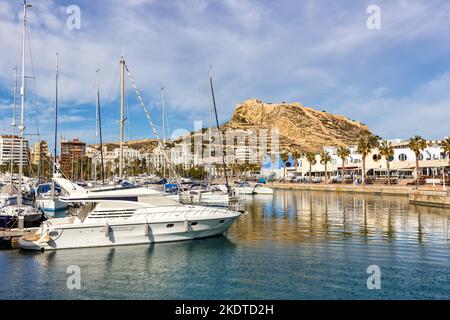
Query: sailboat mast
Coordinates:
[218,127]
[22,103]
[122,102]
[13,124]
[99,122]
[163,128]
[55,147]
[210,112]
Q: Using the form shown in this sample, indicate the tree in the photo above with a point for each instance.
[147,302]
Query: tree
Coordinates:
[343,153]
[296,155]
[325,158]
[387,151]
[445,146]
[284,157]
[417,144]
[311,157]
[365,145]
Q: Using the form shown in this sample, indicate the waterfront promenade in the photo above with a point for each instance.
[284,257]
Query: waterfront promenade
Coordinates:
[425,195]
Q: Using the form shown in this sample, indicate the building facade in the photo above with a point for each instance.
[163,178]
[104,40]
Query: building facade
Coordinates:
[71,151]
[39,151]
[432,162]
[10,149]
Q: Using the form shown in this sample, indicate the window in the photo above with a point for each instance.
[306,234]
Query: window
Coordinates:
[170,225]
[402,157]
[194,223]
[376,157]
[221,221]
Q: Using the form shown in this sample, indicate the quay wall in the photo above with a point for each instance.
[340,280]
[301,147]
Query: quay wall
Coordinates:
[370,189]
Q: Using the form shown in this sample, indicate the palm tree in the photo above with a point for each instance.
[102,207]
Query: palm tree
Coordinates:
[387,151]
[445,146]
[296,155]
[365,145]
[284,157]
[343,152]
[311,157]
[417,144]
[363,149]
[325,158]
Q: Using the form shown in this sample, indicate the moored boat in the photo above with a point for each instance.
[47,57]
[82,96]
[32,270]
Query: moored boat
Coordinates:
[125,216]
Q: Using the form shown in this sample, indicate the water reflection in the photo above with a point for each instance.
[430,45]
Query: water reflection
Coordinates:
[294,245]
[296,216]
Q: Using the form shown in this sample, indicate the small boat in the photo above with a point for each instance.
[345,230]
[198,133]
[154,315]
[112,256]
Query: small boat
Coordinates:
[243,188]
[260,189]
[199,194]
[126,216]
[48,200]
[50,203]
[10,212]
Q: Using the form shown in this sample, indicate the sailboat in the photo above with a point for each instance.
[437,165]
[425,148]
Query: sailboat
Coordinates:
[49,201]
[113,216]
[18,211]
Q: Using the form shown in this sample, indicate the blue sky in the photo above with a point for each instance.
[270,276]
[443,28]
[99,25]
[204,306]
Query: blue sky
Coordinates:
[321,53]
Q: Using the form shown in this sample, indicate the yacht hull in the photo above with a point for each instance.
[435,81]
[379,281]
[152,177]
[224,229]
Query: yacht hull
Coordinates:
[127,233]
[51,205]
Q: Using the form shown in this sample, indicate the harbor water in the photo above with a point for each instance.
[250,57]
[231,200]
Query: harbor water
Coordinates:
[292,245]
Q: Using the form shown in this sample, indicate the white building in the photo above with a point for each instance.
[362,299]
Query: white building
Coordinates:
[402,165]
[10,147]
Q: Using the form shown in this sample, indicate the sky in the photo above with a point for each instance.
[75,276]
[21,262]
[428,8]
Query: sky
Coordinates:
[395,79]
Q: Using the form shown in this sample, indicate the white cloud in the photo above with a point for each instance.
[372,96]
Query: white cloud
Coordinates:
[319,52]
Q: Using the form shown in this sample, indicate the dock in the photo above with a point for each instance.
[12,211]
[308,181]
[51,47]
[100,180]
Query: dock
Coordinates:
[367,189]
[430,198]
[10,237]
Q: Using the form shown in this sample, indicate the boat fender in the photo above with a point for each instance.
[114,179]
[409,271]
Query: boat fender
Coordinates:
[106,229]
[146,227]
[186,225]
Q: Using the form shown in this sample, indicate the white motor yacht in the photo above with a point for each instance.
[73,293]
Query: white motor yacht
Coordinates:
[260,189]
[125,216]
[243,188]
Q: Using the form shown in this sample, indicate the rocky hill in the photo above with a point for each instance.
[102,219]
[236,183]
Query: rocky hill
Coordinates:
[300,128]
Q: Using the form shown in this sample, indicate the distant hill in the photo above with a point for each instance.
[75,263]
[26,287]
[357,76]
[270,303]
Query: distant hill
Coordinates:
[301,128]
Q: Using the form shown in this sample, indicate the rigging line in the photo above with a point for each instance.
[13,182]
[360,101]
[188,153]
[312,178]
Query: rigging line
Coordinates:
[33,77]
[167,122]
[127,123]
[147,113]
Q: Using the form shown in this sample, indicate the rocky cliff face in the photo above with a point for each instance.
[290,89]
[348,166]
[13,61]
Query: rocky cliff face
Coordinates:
[300,128]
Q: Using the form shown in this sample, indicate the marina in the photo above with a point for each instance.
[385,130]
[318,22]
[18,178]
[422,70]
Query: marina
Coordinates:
[130,170]
[296,245]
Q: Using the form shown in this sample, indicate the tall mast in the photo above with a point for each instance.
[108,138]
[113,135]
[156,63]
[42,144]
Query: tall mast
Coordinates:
[218,127]
[122,100]
[55,147]
[163,127]
[13,124]
[22,103]
[210,112]
[99,123]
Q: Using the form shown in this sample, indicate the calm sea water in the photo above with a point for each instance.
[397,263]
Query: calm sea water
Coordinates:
[294,245]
